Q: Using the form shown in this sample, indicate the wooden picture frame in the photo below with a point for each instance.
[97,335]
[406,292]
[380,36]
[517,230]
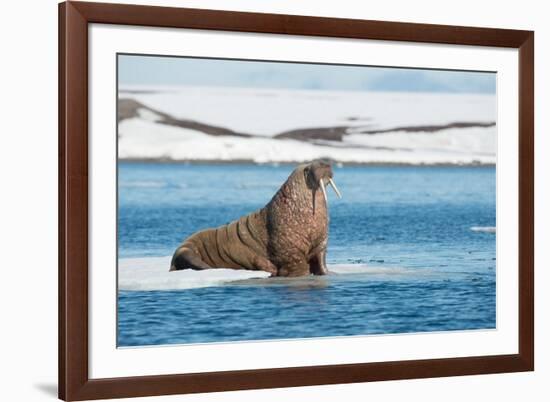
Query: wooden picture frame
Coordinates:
[74,381]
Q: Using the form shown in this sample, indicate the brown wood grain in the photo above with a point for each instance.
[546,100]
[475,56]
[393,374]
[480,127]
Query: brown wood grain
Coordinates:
[74,382]
[526,233]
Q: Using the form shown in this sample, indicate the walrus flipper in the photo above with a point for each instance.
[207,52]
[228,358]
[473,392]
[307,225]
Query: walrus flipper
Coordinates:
[318,264]
[186,258]
[294,268]
[317,259]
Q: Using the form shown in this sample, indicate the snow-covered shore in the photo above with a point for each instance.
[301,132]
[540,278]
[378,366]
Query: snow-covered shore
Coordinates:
[273,125]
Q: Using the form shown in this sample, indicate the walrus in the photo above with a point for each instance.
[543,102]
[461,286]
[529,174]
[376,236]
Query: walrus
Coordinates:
[287,237]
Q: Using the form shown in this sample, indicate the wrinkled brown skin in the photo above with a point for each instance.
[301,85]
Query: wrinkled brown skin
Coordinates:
[287,237]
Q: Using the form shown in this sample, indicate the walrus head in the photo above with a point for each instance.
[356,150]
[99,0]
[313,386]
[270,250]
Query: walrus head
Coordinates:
[318,174]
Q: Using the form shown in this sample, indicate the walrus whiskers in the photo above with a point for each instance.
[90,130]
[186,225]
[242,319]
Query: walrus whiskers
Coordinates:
[322,185]
[334,187]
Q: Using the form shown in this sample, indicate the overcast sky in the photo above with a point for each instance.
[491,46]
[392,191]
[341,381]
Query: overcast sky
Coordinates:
[155,70]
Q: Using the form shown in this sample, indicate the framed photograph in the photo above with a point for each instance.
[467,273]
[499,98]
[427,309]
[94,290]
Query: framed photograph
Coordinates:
[259,200]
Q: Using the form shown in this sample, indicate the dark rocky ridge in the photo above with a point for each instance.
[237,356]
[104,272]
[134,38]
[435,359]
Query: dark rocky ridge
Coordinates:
[128,108]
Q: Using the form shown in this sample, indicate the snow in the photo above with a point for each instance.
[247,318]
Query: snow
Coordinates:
[474,139]
[267,112]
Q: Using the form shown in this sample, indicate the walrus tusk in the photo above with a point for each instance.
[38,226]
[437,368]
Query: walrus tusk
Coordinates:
[334,188]
[322,185]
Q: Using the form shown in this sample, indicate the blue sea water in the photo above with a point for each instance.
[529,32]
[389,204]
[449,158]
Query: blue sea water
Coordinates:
[432,272]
